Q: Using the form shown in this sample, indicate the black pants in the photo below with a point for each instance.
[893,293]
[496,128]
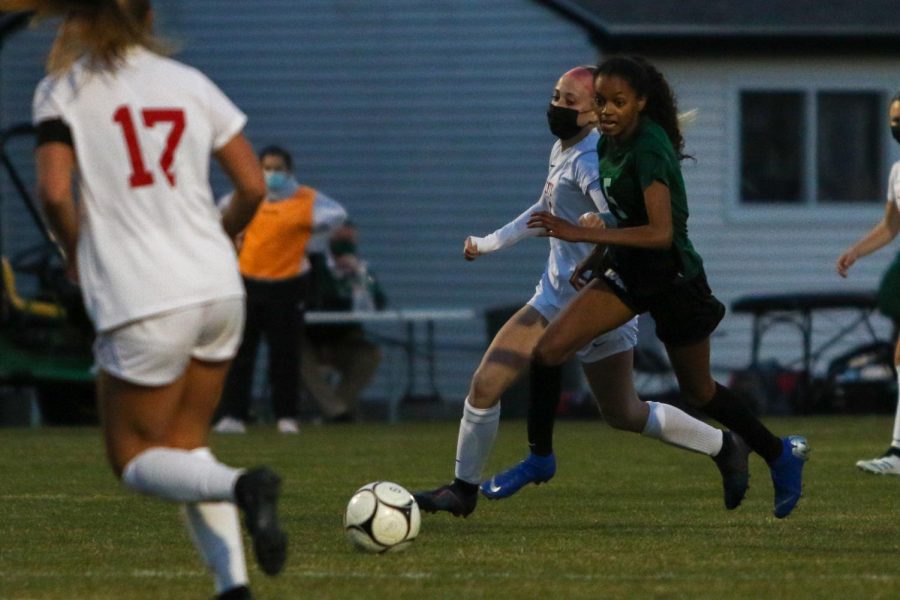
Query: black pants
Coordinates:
[274,312]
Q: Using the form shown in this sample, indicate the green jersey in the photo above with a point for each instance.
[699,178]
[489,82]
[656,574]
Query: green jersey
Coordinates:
[626,170]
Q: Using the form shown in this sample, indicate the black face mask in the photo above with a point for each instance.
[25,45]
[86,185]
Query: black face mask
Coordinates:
[895,131]
[563,122]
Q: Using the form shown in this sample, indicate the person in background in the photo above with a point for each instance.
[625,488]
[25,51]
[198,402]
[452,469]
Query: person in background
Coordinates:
[275,269]
[877,237]
[134,130]
[342,282]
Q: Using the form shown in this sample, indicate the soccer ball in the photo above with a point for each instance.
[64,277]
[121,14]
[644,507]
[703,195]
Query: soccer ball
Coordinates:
[382,517]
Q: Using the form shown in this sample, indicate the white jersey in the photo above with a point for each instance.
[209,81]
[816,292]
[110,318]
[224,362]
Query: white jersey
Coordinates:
[572,189]
[893,191]
[150,237]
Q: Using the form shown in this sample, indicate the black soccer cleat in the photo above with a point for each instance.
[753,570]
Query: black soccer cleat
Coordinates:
[453,498]
[241,592]
[256,493]
[734,467]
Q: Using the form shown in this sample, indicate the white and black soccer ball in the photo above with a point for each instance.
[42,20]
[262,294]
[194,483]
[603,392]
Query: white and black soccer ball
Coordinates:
[382,517]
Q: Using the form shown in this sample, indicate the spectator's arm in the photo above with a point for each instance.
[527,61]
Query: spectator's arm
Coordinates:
[328,214]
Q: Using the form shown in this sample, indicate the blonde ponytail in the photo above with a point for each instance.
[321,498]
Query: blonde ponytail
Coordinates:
[101,30]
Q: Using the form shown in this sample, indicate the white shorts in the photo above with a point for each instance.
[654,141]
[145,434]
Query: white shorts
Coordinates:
[612,342]
[156,350]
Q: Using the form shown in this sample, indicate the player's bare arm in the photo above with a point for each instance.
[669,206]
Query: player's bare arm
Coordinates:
[877,237]
[579,277]
[242,166]
[590,264]
[55,165]
[657,233]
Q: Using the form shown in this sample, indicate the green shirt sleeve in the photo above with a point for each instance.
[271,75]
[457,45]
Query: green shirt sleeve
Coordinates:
[652,164]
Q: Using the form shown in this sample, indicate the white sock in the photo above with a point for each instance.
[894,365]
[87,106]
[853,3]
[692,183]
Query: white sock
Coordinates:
[676,427]
[895,441]
[477,432]
[180,476]
[216,531]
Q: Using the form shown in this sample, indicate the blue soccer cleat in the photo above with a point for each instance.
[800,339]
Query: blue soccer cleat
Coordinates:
[787,474]
[534,469]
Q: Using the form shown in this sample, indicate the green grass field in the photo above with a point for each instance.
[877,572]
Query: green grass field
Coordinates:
[625,517]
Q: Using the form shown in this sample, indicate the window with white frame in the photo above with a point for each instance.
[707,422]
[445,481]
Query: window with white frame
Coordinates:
[811,147]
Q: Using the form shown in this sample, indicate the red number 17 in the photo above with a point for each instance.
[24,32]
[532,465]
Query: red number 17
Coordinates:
[140,176]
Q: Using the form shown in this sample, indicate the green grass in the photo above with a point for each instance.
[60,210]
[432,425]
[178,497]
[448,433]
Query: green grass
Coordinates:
[625,517]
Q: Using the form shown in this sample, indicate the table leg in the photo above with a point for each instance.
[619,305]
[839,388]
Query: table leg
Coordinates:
[432,379]
[410,348]
[754,344]
[410,359]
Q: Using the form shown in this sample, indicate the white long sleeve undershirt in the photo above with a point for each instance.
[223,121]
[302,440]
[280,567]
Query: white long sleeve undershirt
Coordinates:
[510,234]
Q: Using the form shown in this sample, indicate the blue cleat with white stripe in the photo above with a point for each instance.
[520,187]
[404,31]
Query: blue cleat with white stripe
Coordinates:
[787,474]
[534,469]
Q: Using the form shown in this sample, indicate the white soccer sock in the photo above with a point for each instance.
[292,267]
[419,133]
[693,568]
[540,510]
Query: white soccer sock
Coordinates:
[216,532]
[477,432]
[895,441]
[180,476]
[676,427]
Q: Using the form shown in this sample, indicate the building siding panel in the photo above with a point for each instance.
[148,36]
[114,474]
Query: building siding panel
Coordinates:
[426,119]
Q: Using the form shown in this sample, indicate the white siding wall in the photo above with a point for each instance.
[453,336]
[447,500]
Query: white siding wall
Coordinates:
[769,251]
[426,119]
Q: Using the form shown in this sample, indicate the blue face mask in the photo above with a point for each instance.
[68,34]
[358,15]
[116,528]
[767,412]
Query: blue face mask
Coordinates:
[275,180]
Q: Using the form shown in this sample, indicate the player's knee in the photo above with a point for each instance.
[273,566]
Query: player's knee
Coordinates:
[548,356]
[483,391]
[622,417]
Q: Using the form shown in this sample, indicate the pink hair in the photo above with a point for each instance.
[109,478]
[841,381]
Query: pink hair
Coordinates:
[584,76]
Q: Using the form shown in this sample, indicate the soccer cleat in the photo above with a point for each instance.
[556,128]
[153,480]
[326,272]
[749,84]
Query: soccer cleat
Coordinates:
[241,592]
[451,498]
[733,465]
[787,474]
[230,425]
[256,493]
[534,469]
[288,425]
[889,464]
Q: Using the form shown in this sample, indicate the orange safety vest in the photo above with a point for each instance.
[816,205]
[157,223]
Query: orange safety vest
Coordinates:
[274,244]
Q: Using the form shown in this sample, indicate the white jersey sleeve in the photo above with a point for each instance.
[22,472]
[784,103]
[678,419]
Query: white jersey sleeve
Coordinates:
[226,118]
[46,106]
[511,233]
[893,191]
[586,173]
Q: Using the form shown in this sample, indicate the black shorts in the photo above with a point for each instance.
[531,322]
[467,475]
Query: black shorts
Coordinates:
[686,312]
